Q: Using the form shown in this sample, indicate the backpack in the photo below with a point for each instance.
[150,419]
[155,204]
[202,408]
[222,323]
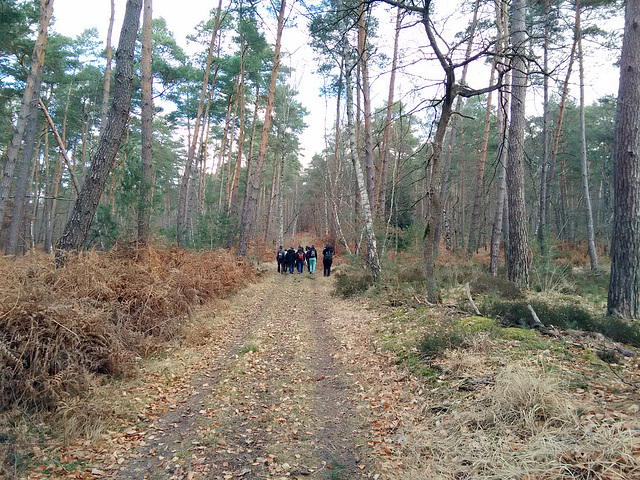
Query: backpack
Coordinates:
[280,254]
[327,255]
[301,256]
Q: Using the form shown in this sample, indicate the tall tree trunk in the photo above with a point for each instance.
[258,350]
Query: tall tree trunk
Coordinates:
[233,199]
[477,197]
[281,202]
[593,254]
[146,128]
[381,201]
[624,284]
[363,54]
[497,231]
[231,165]
[372,249]
[22,196]
[272,196]
[184,186]
[107,71]
[503,142]
[29,104]
[518,268]
[542,220]
[556,138]
[221,166]
[455,119]
[247,178]
[76,229]
[247,226]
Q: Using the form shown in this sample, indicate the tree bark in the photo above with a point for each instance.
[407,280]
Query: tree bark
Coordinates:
[76,229]
[247,177]
[477,197]
[29,104]
[518,268]
[624,285]
[593,254]
[372,249]
[363,54]
[184,186]
[542,220]
[503,142]
[21,196]
[146,128]
[386,143]
[247,225]
[498,232]
[107,71]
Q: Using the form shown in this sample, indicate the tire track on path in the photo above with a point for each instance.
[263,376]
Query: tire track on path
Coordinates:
[277,399]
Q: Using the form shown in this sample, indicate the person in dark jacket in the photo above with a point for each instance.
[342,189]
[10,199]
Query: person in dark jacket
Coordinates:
[291,259]
[327,259]
[300,259]
[280,258]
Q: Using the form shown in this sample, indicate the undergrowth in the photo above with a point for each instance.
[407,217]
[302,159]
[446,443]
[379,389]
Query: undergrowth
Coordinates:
[501,400]
[565,316]
[63,331]
[350,282]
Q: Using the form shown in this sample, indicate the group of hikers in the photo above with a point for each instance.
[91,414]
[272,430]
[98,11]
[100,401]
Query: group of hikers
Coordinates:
[292,260]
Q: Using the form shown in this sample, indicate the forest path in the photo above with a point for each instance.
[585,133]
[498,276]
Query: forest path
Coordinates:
[293,388]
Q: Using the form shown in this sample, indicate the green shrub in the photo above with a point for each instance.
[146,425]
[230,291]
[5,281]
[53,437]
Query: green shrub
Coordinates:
[350,283]
[563,316]
[518,314]
[548,275]
[454,274]
[619,330]
[476,324]
[436,342]
[497,285]
[411,274]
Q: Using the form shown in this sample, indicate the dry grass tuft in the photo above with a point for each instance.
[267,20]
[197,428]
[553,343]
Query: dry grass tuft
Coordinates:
[528,397]
[61,330]
[524,427]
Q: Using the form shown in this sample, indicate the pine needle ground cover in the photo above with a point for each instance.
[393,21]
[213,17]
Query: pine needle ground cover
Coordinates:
[509,402]
[64,332]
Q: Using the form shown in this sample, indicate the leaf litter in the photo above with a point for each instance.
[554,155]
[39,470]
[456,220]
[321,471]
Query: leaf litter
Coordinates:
[295,384]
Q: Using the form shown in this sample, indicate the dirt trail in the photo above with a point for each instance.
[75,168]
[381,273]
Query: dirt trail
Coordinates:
[293,389]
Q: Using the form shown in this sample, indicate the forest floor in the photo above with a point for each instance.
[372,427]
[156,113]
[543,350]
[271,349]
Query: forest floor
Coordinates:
[294,382]
[290,386]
